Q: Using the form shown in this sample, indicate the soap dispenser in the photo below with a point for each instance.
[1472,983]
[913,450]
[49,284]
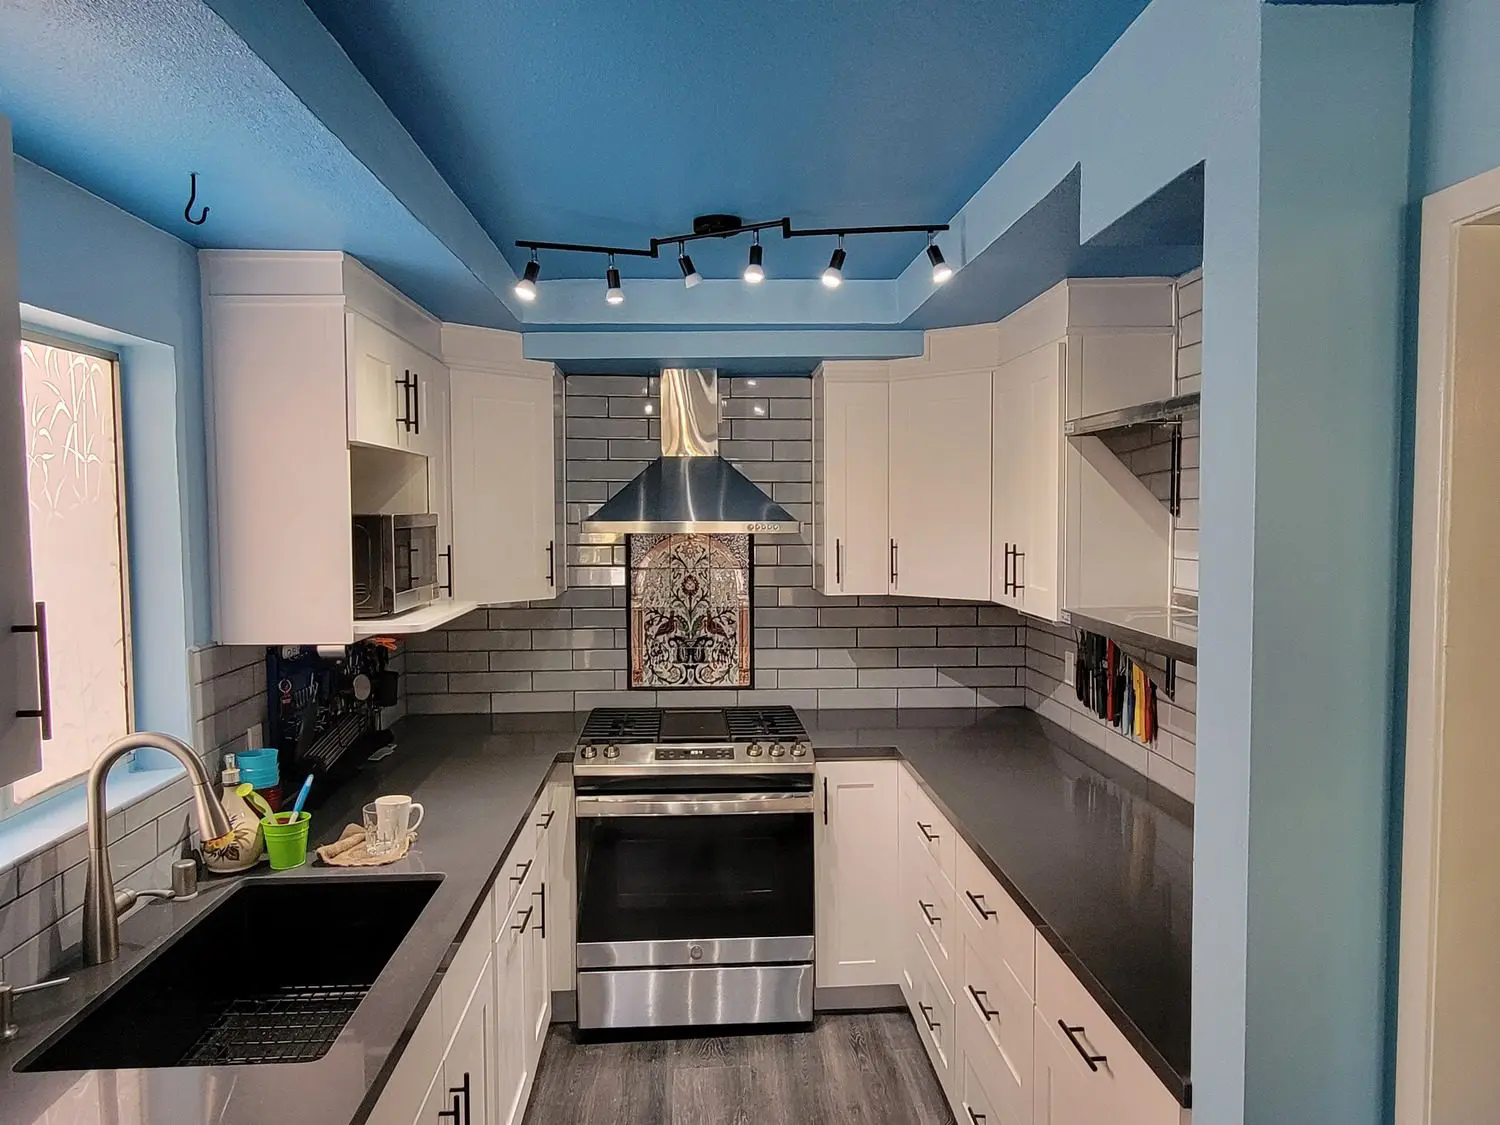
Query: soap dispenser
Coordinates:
[241,849]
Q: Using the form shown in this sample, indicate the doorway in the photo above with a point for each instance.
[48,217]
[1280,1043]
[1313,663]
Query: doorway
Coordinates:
[1449,989]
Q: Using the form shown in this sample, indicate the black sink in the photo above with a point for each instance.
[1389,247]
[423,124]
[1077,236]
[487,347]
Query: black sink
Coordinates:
[271,974]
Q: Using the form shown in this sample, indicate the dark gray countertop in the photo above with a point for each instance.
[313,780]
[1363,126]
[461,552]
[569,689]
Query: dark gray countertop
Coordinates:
[477,777]
[1097,857]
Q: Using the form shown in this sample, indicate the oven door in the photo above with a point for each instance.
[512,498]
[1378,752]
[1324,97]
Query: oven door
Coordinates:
[414,551]
[695,873]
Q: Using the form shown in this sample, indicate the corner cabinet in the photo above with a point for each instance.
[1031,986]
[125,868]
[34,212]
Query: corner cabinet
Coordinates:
[507,546]
[20,642]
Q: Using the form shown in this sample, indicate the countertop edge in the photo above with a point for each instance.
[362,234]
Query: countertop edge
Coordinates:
[1178,1085]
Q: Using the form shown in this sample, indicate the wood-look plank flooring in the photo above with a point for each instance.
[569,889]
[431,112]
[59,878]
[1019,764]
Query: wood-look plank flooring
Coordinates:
[857,1069]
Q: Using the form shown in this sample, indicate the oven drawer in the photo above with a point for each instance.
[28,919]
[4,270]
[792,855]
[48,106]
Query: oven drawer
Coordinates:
[620,998]
[707,951]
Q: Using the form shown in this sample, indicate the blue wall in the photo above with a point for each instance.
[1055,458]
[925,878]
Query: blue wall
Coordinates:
[1456,104]
[90,270]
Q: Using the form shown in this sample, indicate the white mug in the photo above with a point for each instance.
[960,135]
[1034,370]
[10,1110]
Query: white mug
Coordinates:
[396,818]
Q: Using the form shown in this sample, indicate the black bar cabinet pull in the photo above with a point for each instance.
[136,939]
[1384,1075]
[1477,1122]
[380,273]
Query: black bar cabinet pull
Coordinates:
[927,912]
[404,418]
[1072,1033]
[547,819]
[1020,568]
[927,1010]
[542,925]
[448,586]
[525,871]
[525,919]
[1007,568]
[416,407]
[978,901]
[974,1118]
[895,568]
[43,710]
[838,561]
[552,563]
[461,1096]
[928,832]
[456,1112]
[979,995]
[825,800]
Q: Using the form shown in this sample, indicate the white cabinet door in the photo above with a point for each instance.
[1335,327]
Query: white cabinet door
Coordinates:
[503,487]
[856,854]
[561,852]
[512,1066]
[538,974]
[433,441]
[468,1068]
[1063,1091]
[940,485]
[20,737]
[854,469]
[1009,501]
[379,400]
[1040,575]
[428,431]
[439,1105]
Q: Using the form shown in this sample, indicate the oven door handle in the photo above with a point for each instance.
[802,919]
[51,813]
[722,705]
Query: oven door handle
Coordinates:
[693,804]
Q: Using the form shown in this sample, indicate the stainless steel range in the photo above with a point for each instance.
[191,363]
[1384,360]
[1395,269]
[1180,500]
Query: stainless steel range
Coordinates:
[695,867]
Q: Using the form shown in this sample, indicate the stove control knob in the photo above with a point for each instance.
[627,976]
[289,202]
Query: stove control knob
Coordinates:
[754,751]
[778,751]
[588,753]
[611,751]
[799,751]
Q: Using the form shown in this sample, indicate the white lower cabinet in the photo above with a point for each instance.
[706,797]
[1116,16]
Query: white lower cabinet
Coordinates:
[468,1067]
[513,1072]
[856,852]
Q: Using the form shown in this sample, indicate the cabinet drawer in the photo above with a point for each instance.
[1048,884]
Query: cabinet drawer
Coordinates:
[995,1032]
[1002,934]
[519,861]
[464,970]
[975,1076]
[1121,1077]
[933,1010]
[932,914]
[924,829]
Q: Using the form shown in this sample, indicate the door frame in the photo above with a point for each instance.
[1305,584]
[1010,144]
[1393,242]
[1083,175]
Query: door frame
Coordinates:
[1445,214]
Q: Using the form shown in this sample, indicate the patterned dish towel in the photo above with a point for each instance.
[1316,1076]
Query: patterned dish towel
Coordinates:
[349,850]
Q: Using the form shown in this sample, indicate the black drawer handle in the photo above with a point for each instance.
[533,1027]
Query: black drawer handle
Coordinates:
[547,819]
[979,995]
[461,1096]
[525,871]
[525,916]
[927,913]
[455,1112]
[974,1118]
[978,901]
[1072,1033]
[927,831]
[927,1010]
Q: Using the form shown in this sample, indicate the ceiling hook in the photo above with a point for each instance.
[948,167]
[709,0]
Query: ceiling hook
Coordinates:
[187,212]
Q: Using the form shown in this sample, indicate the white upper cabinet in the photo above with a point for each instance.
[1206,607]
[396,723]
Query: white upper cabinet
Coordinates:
[856,854]
[1028,461]
[851,435]
[505,546]
[940,477]
[315,363]
[20,690]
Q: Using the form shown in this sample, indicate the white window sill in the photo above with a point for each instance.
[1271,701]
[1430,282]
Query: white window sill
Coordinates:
[32,830]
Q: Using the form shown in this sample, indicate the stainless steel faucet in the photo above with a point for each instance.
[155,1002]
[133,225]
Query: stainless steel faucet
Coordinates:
[101,905]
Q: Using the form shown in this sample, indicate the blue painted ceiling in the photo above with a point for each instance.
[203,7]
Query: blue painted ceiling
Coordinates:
[597,121]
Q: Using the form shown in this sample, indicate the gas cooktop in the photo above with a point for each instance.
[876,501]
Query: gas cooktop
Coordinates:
[709,738]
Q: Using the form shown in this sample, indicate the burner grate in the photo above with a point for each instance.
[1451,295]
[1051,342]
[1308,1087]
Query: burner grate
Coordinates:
[622,725]
[751,724]
[295,1023]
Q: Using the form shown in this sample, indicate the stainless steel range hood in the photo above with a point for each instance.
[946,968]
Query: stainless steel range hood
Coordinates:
[690,488]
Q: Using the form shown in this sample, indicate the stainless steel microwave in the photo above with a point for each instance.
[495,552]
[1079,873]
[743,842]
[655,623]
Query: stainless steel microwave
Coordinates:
[395,564]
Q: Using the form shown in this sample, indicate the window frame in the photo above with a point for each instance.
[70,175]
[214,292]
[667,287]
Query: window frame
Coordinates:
[9,806]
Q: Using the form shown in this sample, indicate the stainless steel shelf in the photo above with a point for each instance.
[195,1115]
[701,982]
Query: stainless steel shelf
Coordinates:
[1151,413]
[1165,630]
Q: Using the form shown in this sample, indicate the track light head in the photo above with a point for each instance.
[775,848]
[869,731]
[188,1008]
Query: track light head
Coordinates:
[612,292]
[941,270]
[755,272]
[833,276]
[690,274]
[526,287]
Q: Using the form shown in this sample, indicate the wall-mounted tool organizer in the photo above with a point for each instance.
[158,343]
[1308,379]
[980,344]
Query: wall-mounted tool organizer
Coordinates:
[323,706]
[1118,688]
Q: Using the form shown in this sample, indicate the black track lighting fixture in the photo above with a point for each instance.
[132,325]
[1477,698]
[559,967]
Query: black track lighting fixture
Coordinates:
[833,276]
[612,291]
[941,270]
[526,287]
[755,271]
[690,274]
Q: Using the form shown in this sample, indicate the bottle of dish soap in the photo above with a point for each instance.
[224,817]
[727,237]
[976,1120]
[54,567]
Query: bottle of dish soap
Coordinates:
[242,847]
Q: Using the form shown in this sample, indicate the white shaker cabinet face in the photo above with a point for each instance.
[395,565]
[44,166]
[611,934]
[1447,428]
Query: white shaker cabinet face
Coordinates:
[855,469]
[856,856]
[20,737]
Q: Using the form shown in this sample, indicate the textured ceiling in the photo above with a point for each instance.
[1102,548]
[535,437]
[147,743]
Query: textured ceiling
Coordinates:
[596,121]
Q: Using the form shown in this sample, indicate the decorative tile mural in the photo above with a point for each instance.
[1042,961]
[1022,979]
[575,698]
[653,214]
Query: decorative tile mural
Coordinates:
[689,611]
